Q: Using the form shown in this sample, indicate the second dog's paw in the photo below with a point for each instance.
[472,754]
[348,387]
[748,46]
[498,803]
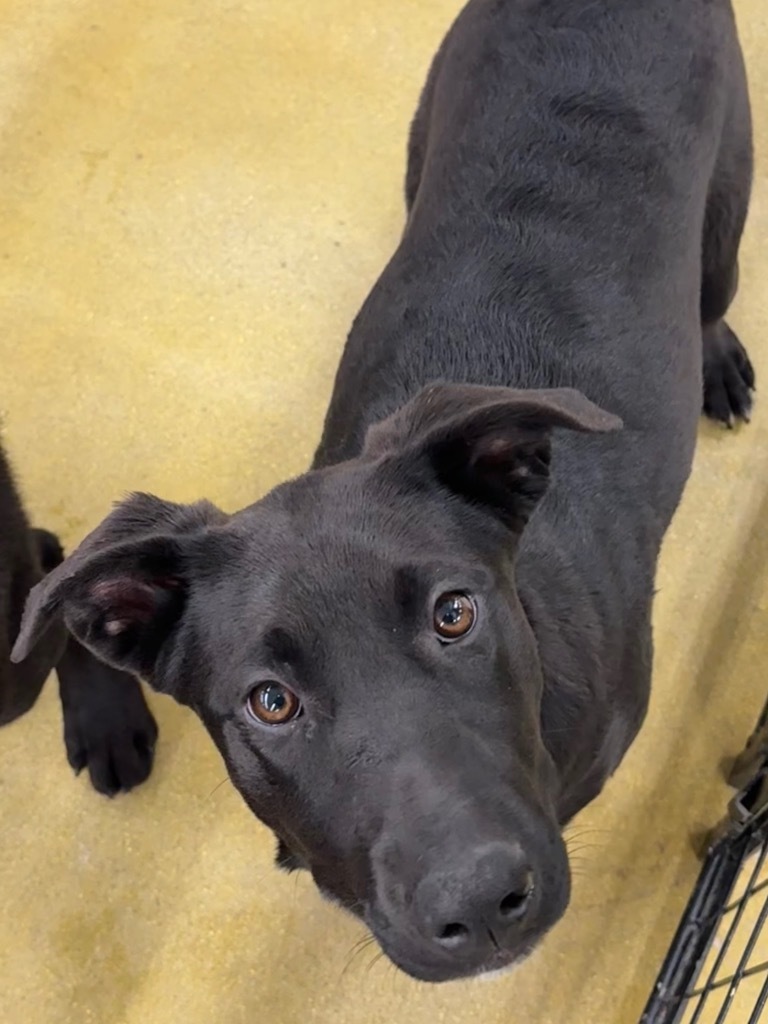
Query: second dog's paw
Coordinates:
[108,726]
[729,378]
[117,748]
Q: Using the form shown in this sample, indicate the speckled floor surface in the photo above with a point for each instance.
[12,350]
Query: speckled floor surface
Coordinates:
[194,199]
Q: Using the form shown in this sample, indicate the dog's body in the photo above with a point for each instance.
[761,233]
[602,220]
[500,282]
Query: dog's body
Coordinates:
[568,165]
[107,725]
[458,655]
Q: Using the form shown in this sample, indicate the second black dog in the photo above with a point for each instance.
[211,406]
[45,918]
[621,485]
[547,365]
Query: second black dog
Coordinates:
[107,724]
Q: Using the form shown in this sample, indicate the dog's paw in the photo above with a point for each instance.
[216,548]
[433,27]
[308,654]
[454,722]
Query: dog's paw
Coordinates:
[729,378]
[115,740]
[108,726]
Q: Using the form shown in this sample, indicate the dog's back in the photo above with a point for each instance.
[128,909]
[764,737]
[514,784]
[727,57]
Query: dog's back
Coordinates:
[559,170]
[578,180]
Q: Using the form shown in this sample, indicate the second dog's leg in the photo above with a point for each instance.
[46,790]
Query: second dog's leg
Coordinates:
[108,727]
[107,724]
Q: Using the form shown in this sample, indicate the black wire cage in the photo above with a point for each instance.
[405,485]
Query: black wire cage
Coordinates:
[716,970]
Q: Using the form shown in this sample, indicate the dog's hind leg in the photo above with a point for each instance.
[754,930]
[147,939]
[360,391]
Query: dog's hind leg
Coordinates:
[728,375]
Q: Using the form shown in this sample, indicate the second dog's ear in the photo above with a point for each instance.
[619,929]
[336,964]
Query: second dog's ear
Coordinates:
[488,445]
[122,593]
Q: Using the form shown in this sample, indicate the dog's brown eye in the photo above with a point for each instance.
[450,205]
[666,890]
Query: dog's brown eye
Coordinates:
[455,615]
[273,704]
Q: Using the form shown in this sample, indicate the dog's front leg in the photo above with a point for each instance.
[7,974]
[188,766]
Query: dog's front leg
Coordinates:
[108,726]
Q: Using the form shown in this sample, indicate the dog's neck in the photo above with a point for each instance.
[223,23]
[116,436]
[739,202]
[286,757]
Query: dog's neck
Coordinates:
[588,660]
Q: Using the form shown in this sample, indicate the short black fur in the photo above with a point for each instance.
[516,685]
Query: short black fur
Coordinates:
[513,421]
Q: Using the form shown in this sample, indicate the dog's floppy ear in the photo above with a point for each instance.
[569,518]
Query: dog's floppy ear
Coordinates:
[123,591]
[490,445]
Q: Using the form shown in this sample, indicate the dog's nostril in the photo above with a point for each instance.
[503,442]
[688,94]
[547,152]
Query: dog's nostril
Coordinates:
[515,903]
[453,935]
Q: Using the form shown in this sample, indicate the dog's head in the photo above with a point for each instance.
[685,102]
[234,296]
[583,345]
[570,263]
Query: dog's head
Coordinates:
[356,647]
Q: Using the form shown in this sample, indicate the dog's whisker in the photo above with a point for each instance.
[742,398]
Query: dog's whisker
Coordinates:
[217,787]
[577,831]
[577,828]
[379,956]
[581,848]
[362,942]
[357,949]
[295,887]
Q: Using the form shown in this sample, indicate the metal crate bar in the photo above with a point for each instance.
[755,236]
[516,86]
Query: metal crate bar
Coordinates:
[680,991]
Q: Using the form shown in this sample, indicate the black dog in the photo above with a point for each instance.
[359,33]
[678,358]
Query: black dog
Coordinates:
[420,659]
[107,724]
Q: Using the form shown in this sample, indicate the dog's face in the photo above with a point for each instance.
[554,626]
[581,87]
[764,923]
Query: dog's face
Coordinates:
[356,647]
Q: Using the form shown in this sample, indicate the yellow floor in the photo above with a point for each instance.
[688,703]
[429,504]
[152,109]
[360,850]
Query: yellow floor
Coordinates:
[194,199]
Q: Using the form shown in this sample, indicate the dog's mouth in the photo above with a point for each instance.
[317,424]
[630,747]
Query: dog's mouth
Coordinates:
[406,954]
[420,960]
[417,954]
[436,971]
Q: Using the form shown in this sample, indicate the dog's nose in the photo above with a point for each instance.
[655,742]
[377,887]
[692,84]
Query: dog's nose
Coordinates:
[477,908]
